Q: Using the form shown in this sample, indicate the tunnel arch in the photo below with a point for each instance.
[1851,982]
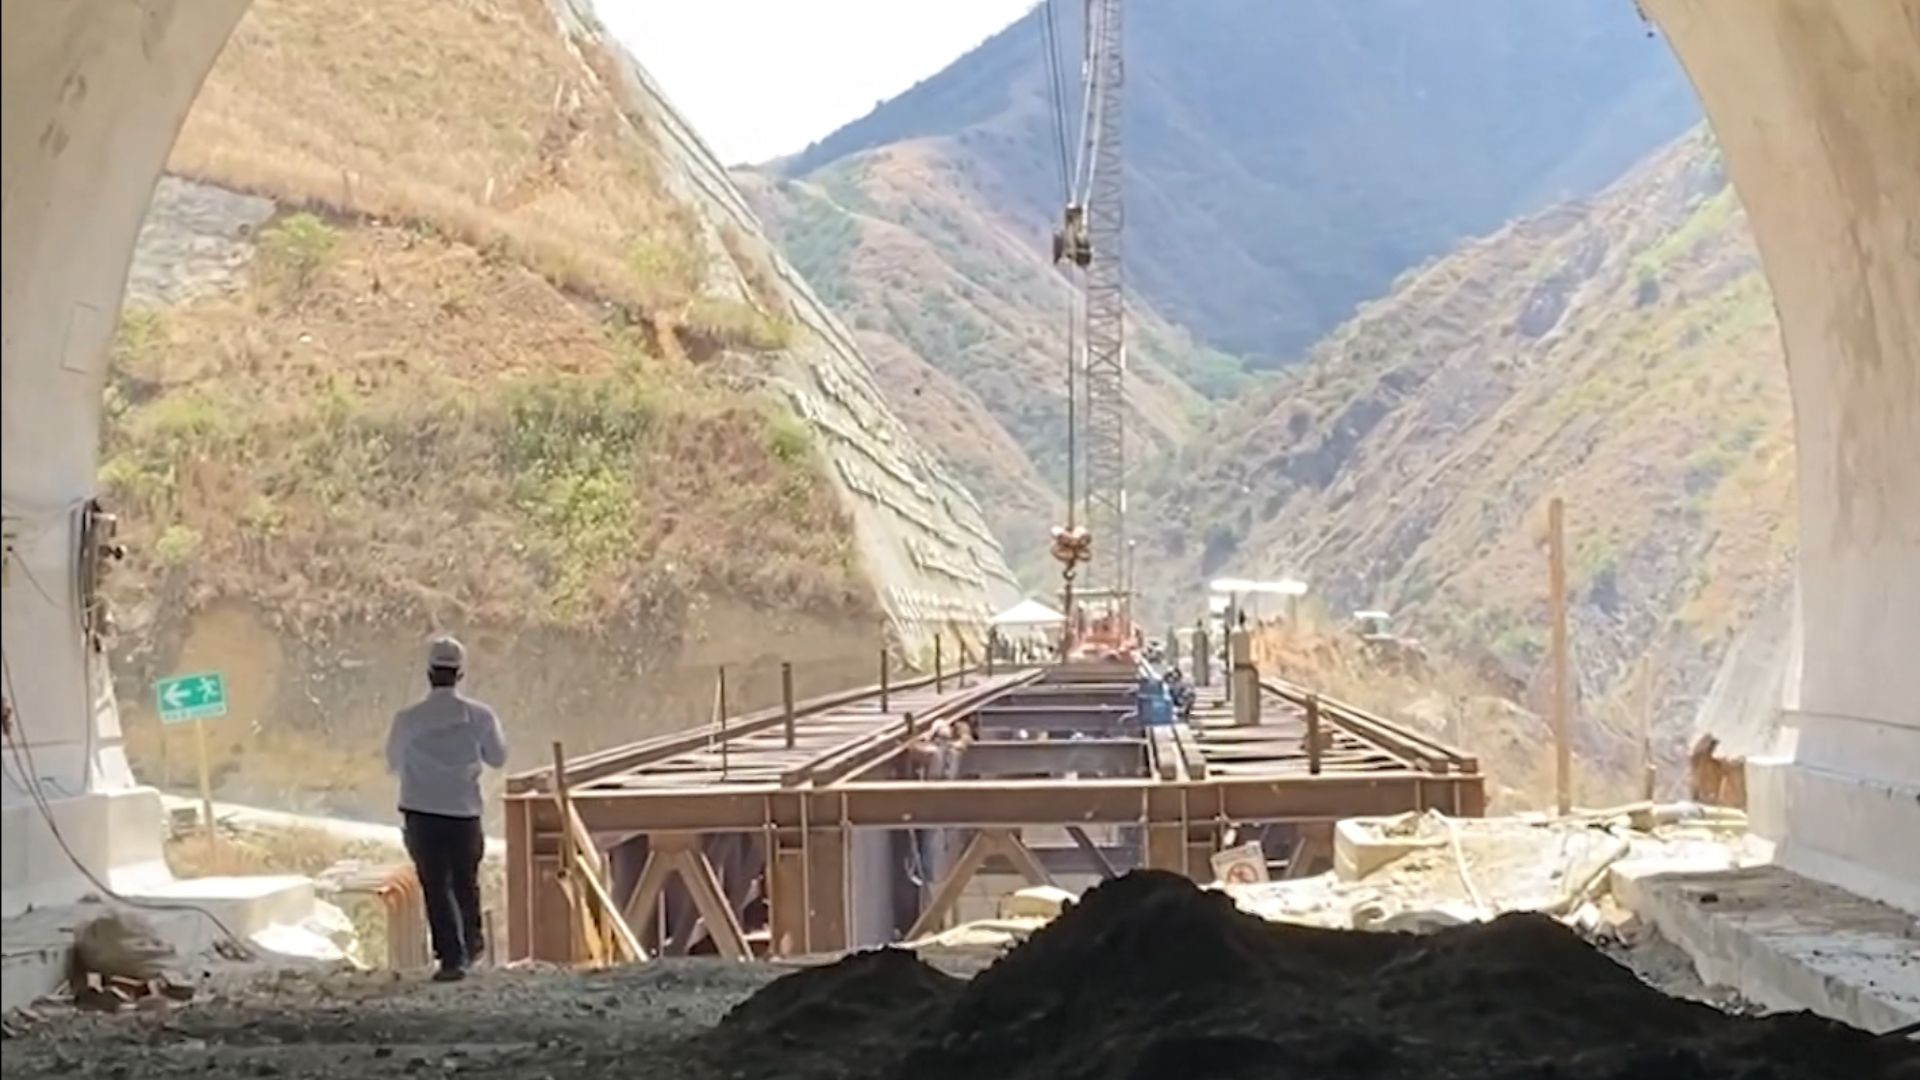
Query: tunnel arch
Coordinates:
[1815,105]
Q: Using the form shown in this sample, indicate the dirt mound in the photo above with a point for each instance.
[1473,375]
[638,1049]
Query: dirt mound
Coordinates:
[828,1020]
[1151,977]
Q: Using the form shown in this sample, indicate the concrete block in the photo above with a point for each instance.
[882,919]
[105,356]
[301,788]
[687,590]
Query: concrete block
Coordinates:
[1831,804]
[247,905]
[1785,941]
[115,834]
[1363,845]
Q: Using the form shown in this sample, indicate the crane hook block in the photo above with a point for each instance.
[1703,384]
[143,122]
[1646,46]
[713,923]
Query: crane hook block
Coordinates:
[1071,546]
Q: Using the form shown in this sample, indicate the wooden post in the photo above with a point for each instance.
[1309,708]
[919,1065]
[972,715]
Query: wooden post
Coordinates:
[886,668]
[786,699]
[1646,732]
[1313,734]
[520,913]
[909,723]
[720,704]
[939,670]
[576,932]
[1562,691]
[206,783]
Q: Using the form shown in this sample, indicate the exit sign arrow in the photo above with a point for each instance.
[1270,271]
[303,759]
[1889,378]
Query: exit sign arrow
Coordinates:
[183,698]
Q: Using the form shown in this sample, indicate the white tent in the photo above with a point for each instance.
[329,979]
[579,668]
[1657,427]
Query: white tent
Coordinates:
[1027,614]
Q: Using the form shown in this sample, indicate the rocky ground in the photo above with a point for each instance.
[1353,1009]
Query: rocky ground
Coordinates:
[522,1024]
[1147,977]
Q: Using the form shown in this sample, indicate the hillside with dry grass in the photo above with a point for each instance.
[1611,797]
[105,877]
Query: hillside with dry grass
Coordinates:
[444,320]
[1619,352]
[1462,704]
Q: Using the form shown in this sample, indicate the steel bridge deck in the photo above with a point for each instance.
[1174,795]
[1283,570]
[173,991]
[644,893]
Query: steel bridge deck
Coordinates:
[806,821]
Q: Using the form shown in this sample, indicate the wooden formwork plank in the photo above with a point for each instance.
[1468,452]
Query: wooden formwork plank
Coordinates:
[1092,851]
[1015,851]
[828,911]
[522,915]
[947,893]
[583,933]
[644,901]
[626,944]
[787,897]
[716,915]
[1167,848]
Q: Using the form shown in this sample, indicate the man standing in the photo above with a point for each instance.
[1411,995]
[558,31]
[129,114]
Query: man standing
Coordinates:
[437,748]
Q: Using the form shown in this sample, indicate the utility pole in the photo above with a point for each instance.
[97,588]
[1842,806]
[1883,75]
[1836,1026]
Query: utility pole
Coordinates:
[1562,692]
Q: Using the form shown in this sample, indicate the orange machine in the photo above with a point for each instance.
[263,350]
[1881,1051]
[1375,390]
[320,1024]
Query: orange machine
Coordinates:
[1105,627]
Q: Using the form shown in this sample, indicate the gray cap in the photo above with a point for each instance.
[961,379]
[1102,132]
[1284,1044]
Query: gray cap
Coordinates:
[446,652]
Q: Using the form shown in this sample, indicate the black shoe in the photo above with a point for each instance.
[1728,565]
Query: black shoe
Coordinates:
[449,974]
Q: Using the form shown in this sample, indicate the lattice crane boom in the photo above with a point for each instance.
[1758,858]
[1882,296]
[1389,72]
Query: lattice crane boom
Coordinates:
[1104,306]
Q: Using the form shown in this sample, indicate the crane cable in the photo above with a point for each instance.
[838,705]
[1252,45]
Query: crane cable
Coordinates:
[1056,95]
[1093,94]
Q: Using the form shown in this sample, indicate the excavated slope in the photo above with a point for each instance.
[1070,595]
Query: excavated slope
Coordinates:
[446,319]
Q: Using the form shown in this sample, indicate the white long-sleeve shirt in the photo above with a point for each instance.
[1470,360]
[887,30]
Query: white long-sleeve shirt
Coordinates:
[438,747]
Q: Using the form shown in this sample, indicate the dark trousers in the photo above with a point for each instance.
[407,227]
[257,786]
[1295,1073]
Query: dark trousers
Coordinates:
[446,853]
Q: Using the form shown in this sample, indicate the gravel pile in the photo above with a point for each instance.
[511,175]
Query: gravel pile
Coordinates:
[1150,977]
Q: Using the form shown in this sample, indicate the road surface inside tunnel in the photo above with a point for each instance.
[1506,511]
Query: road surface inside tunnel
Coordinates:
[1147,977]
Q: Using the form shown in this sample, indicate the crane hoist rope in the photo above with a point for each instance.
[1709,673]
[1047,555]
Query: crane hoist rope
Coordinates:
[1056,96]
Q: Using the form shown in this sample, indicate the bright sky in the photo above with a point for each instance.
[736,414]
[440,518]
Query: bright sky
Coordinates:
[761,78]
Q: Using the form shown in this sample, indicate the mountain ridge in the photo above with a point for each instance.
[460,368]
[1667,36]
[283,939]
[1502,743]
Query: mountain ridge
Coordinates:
[1341,142]
[1621,352]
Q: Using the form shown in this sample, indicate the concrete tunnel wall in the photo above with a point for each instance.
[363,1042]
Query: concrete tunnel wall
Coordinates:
[1816,104]
[95,92]
[1817,107]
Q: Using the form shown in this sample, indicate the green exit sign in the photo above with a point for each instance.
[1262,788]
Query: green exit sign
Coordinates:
[185,698]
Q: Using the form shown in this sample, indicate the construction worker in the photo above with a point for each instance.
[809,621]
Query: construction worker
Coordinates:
[437,748]
[1181,692]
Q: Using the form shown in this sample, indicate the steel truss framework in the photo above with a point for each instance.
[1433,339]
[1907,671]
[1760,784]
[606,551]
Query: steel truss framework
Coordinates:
[787,812]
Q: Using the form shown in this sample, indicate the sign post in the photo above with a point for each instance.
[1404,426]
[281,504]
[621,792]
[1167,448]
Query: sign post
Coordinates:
[195,699]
